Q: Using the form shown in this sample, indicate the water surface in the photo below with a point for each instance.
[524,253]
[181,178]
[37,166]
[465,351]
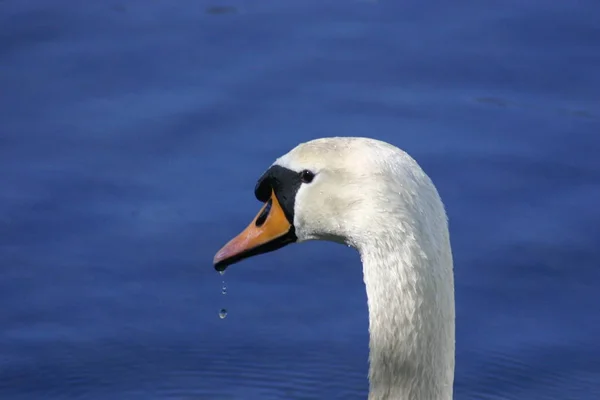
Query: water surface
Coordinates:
[131,136]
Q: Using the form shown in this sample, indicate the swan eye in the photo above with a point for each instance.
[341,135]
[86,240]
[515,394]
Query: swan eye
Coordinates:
[306,176]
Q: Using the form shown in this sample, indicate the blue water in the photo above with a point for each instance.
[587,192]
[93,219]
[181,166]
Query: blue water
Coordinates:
[132,134]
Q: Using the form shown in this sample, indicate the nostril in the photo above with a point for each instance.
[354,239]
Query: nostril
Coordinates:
[264,214]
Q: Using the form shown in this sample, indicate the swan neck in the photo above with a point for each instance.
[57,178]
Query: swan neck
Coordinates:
[411,321]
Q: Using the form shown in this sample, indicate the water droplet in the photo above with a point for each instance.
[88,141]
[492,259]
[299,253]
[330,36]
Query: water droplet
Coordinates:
[222,313]
[224,289]
[222,272]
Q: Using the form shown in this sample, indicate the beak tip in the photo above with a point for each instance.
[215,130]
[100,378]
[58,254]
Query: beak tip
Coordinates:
[220,267]
[218,261]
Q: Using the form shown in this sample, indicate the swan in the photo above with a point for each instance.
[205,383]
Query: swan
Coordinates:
[374,197]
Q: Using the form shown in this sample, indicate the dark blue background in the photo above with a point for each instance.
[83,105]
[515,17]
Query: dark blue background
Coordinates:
[131,136]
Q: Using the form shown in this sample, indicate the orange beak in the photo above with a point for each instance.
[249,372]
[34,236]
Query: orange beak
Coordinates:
[269,231]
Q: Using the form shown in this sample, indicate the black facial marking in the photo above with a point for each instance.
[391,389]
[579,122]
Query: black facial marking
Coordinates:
[264,214]
[284,183]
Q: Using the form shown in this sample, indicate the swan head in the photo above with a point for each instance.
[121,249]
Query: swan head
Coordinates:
[336,189]
[374,197]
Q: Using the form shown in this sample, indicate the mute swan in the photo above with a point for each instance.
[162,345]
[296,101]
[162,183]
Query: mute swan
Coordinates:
[374,197]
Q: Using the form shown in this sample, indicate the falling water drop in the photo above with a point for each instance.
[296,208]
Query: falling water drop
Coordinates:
[223,312]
